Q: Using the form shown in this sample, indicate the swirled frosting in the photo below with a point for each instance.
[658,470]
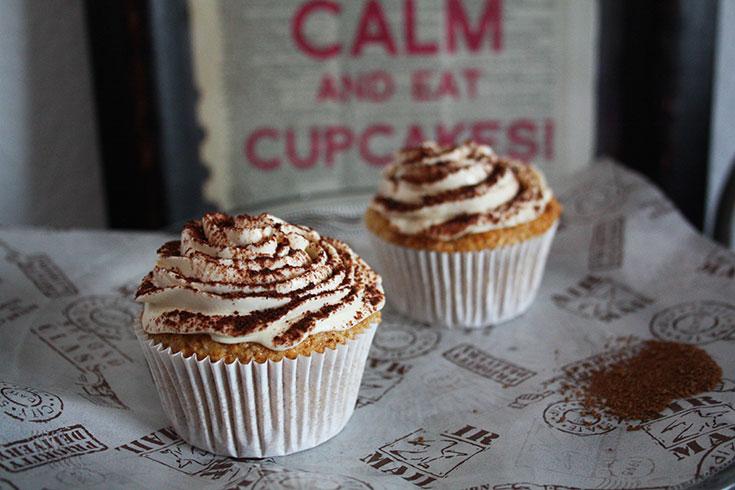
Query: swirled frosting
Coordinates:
[256,279]
[447,192]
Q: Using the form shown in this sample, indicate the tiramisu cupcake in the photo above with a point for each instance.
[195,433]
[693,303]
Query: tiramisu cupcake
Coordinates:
[462,234]
[256,332]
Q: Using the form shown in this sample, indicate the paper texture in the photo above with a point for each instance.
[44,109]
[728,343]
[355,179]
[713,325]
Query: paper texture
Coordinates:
[437,408]
[298,97]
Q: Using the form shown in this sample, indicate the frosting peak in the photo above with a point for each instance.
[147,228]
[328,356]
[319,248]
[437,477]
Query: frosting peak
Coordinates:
[256,279]
[448,192]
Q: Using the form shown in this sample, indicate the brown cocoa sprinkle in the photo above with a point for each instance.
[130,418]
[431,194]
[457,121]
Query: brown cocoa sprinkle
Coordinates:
[170,249]
[146,286]
[642,386]
[429,174]
[458,194]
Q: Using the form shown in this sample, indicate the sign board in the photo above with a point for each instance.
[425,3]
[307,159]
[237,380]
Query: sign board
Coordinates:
[315,95]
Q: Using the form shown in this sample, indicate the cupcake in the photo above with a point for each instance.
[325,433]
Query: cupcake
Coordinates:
[256,332]
[462,234]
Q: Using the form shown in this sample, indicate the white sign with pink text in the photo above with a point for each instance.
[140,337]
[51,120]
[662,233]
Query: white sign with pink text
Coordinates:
[316,95]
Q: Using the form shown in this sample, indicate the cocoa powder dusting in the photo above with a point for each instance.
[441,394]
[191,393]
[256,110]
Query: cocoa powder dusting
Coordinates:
[640,387]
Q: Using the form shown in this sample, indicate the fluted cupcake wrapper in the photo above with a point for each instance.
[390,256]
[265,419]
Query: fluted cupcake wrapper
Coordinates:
[463,289]
[259,409]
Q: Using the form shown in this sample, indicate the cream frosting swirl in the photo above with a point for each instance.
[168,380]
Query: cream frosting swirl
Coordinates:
[256,279]
[447,192]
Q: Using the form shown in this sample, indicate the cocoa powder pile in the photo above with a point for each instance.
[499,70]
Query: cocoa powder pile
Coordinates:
[640,387]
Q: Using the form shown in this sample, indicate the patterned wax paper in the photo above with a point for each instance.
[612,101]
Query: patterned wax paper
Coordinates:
[461,409]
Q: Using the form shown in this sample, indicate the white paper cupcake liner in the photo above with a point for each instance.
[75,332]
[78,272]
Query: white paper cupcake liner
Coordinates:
[259,410]
[463,289]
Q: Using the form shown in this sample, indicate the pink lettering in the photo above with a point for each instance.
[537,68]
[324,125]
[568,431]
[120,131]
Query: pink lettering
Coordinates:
[297,29]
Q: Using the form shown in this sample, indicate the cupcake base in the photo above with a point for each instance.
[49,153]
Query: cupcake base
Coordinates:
[464,289]
[255,409]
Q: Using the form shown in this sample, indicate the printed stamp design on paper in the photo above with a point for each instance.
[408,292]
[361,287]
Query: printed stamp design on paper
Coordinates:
[29,404]
[522,486]
[166,448]
[15,308]
[82,476]
[48,277]
[399,338]
[423,457]
[96,389]
[111,317]
[716,458]
[503,372]
[266,477]
[48,447]
[632,467]
[719,263]
[379,378]
[600,298]
[571,417]
[90,354]
[550,452]
[693,426]
[590,202]
[7,485]
[619,349]
[441,382]
[549,486]
[695,322]
[657,208]
[725,386]
[607,247]
[525,399]
[594,199]
[544,390]
[85,350]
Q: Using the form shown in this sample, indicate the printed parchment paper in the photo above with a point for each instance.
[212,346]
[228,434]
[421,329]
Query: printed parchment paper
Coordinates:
[437,408]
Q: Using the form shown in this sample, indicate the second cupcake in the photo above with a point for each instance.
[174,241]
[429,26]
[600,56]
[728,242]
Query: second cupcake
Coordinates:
[462,234]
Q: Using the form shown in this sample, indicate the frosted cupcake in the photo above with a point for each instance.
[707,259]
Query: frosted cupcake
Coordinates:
[256,332]
[462,234]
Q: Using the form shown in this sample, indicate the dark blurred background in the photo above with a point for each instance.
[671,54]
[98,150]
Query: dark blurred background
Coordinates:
[113,81]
